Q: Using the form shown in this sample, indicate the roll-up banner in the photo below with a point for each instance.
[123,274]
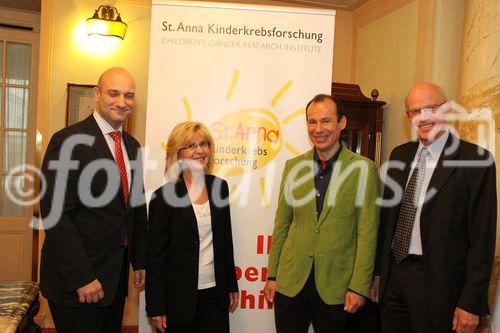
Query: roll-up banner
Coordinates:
[246,72]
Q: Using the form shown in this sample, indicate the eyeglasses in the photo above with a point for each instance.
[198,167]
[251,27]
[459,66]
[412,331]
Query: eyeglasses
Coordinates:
[193,146]
[429,108]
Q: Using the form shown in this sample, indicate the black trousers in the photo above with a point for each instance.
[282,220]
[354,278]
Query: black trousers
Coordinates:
[107,319]
[365,320]
[208,318]
[404,307]
[295,314]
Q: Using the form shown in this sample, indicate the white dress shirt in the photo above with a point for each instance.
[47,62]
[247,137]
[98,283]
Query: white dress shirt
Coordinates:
[106,128]
[435,149]
[206,272]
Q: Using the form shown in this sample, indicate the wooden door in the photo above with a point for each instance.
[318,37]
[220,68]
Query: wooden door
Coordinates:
[18,63]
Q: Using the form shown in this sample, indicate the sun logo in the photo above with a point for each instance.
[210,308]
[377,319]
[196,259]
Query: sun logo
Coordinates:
[248,139]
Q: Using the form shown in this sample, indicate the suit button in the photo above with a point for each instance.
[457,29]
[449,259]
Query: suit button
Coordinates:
[317,231]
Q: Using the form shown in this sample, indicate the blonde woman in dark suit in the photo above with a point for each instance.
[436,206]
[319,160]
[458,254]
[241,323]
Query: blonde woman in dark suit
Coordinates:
[191,279]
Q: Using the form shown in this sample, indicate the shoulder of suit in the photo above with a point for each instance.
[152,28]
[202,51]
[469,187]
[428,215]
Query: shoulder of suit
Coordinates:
[63,133]
[163,189]
[305,156]
[406,145]
[357,157]
[468,149]
[403,149]
[465,149]
[215,178]
[481,158]
[129,136]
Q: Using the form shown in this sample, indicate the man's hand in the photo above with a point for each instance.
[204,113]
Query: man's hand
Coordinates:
[233,301]
[160,323]
[139,278]
[464,322]
[353,302]
[374,289]
[269,290]
[90,293]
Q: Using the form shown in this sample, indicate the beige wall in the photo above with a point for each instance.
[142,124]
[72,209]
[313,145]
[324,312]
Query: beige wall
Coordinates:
[342,49]
[399,42]
[386,56]
[447,45]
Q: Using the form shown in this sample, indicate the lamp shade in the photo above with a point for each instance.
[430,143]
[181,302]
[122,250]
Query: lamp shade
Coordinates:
[106,22]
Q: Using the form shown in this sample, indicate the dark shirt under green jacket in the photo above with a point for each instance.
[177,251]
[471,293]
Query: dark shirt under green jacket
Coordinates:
[341,241]
[323,174]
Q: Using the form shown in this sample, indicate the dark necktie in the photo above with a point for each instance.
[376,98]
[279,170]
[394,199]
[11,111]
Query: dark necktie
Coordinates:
[117,137]
[408,210]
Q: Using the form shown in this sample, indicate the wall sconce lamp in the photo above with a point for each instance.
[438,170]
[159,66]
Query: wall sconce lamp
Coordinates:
[106,22]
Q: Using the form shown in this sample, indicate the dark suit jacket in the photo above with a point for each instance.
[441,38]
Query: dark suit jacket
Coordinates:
[458,227]
[173,251]
[88,243]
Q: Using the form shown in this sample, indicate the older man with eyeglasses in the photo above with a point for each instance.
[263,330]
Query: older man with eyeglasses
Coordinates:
[436,245]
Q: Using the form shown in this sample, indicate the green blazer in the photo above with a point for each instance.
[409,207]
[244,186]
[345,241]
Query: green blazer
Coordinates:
[341,242]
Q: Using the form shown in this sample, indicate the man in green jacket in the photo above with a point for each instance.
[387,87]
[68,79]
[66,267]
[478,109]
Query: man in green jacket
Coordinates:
[325,230]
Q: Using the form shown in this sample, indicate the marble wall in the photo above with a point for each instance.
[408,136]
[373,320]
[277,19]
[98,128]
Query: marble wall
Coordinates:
[479,78]
[479,93]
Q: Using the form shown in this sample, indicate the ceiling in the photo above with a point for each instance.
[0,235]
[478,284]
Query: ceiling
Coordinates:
[331,4]
[32,5]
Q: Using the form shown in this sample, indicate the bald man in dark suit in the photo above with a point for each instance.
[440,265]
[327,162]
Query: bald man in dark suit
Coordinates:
[94,214]
[436,245]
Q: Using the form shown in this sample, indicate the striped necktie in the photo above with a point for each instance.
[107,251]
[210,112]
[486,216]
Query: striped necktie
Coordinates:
[408,210]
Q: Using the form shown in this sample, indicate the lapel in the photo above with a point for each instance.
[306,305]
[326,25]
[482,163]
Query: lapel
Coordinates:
[408,156]
[210,181]
[186,205]
[335,185]
[441,173]
[401,177]
[131,149]
[129,146]
[308,186]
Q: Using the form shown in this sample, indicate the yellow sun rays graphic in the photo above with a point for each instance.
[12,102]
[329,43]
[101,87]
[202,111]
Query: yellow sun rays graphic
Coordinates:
[234,81]
[257,115]
[187,108]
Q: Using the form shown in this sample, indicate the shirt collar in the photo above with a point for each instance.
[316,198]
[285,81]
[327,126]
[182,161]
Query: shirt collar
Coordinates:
[435,148]
[105,127]
[332,159]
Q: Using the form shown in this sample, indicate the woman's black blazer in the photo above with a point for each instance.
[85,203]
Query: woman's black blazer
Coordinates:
[173,250]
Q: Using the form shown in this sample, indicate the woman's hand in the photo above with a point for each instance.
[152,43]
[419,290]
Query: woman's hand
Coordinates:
[160,323]
[233,301]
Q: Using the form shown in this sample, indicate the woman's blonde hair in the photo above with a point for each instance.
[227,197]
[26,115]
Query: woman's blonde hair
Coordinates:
[180,137]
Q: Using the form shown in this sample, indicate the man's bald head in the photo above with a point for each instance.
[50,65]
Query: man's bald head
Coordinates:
[425,90]
[112,73]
